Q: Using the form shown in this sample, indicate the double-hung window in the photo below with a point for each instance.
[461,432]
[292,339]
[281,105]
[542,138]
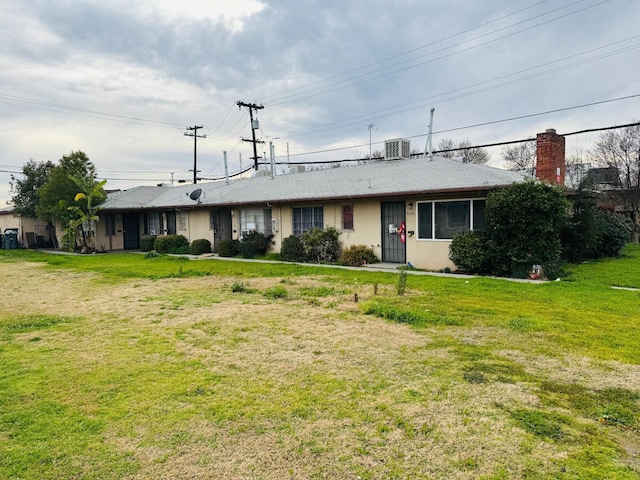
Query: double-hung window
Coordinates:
[153,224]
[306,218]
[255,220]
[347,217]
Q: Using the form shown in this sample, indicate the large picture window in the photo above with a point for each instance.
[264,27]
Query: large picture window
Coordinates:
[255,220]
[443,220]
[306,218]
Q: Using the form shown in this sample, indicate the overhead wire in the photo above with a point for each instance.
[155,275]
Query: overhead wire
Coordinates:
[476,125]
[403,108]
[485,145]
[304,96]
[71,110]
[405,52]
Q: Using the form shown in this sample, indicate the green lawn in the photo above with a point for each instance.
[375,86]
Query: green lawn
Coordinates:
[121,367]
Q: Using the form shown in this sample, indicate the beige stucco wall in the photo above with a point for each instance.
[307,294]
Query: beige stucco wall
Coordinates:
[198,225]
[424,254]
[110,242]
[367,230]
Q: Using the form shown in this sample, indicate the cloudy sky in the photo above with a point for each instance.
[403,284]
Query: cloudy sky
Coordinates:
[121,80]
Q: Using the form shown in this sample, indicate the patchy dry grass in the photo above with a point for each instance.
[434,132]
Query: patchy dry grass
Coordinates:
[193,377]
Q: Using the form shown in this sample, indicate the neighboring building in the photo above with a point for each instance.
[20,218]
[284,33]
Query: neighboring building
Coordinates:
[31,233]
[407,210]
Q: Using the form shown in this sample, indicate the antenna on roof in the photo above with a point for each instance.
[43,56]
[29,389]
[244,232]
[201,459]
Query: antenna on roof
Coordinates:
[195,195]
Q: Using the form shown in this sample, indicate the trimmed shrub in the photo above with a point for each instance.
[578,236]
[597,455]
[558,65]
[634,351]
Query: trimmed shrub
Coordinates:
[255,244]
[322,246]
[524,224]
[292,250]
[358,255]
[200,246]
[171,244]
[468,252]
[228,248]
[146,242]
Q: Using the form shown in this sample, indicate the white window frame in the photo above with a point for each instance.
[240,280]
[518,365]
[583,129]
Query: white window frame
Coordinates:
[183,221]
[433,203]
[255,219]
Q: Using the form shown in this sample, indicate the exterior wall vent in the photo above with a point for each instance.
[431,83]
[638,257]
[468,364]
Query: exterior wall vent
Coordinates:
[397,148]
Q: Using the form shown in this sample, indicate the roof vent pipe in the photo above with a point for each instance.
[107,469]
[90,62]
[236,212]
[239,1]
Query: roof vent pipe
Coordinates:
[226,168]
[428,149]
[271,155]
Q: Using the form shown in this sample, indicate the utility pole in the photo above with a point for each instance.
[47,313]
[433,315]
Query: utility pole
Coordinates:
[195,136]
[254,126]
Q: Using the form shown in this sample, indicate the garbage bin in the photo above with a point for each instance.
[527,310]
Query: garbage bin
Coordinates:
[1,242]
[10,241]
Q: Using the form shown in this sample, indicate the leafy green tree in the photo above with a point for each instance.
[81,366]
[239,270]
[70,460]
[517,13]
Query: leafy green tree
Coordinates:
[24,189]
[59,192]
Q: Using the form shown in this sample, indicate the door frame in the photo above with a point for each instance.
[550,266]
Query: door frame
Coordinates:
[392,214]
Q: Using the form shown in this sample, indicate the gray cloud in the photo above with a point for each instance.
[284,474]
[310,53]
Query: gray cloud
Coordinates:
[323,71]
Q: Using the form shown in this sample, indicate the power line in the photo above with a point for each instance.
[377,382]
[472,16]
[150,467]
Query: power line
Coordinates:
[397,109]
[485,145]
[493,122]
[537,114]
[304,96]
[591,130]
[58,108]
[405,52]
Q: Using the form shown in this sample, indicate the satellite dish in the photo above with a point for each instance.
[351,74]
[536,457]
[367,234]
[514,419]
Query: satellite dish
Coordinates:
[195,195]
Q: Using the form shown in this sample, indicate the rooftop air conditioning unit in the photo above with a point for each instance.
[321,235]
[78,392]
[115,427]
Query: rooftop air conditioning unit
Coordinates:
[397,148]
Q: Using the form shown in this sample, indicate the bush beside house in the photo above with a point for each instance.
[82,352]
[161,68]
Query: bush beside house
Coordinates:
[200,246]
[316,245]
[533,223]
[171,244]
[229,248]
[146,242]
[255,244]
[358,255]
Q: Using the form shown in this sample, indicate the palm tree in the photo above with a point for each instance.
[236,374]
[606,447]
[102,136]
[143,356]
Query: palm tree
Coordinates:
[88,201]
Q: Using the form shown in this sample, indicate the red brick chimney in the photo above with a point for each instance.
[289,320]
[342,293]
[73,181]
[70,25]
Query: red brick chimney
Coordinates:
[550,163]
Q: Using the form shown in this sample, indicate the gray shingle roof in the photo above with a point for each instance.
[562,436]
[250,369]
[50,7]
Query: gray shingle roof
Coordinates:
[388,178]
